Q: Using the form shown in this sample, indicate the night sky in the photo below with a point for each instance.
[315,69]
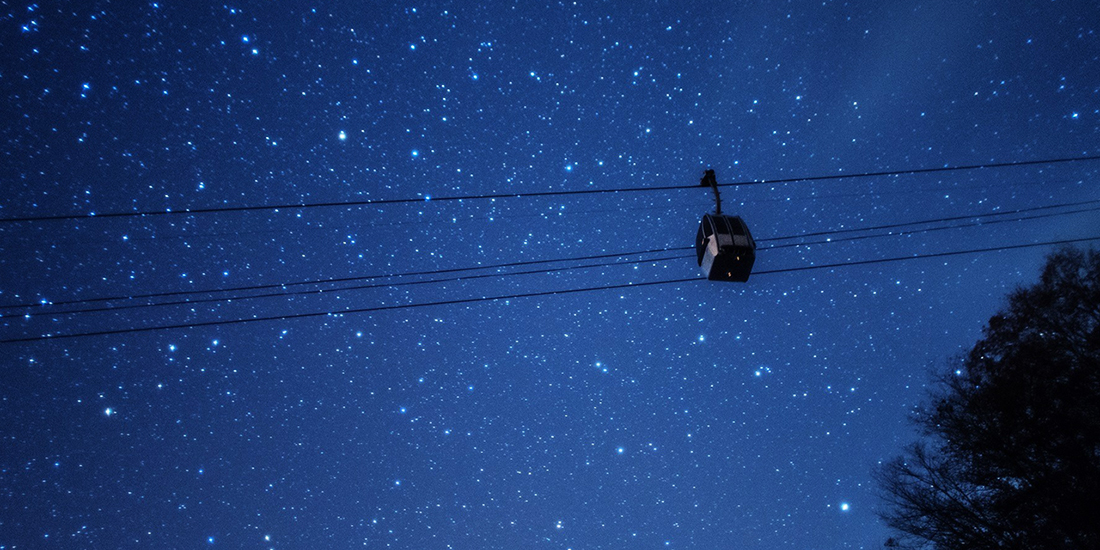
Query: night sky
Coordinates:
[681,415]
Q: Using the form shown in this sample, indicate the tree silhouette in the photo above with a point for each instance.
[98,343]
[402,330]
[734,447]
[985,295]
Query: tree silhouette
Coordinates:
[1011,453]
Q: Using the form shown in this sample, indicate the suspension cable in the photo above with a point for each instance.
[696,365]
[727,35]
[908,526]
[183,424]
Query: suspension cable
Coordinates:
[340,313]
[460,198]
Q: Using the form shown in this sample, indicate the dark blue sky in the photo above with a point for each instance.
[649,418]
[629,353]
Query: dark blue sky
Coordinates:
[691,415]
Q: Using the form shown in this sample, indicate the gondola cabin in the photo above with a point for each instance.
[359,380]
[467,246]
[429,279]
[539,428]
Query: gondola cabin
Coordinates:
[725,248]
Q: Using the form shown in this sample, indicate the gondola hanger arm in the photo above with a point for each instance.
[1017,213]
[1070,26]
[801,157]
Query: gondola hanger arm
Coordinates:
[710,180]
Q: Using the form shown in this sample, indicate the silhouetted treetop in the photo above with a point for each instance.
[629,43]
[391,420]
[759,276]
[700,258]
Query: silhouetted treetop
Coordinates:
[1012,457]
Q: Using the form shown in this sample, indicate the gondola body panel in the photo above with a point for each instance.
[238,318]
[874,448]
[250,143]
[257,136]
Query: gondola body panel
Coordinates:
[725,248]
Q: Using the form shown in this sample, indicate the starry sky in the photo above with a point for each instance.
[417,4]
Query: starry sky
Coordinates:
[679,415]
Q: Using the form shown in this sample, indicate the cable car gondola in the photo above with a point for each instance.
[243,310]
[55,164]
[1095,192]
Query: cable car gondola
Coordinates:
[723,244]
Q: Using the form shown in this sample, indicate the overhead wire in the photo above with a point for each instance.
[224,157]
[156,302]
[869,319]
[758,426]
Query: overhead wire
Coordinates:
[932,255]
[452,221]
[313,292]
[340,313]
[493,196]
[931,229]
[947,219]
[29,307]
[341,279]
[910,172]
